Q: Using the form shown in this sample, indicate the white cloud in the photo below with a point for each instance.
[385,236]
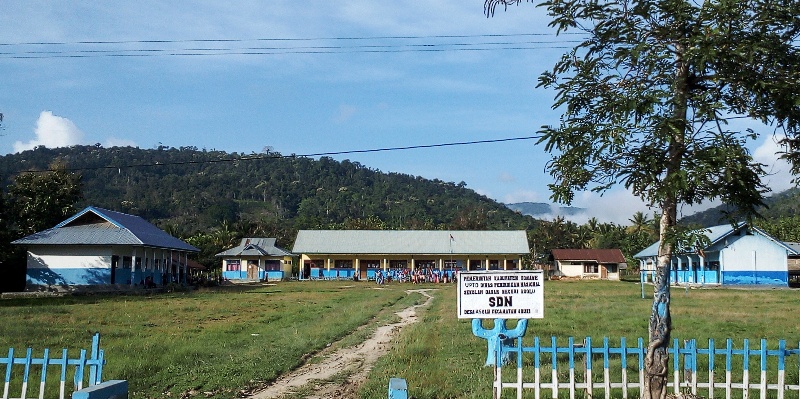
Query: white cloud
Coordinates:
[522,196]
[615,206]
[52,131]
[506,177]
[345,113]
[779,176]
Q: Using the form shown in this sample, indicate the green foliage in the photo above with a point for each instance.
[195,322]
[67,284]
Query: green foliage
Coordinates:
[196,190]
[40,200]
[784,229]
[646,97]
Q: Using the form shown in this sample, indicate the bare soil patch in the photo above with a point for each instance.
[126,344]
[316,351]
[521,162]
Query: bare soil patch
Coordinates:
[349,365]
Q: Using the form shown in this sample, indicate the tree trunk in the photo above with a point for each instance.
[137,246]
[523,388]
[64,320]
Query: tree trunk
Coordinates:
[657,357]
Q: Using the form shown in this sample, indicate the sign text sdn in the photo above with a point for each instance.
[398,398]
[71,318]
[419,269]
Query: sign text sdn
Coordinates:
[501,294]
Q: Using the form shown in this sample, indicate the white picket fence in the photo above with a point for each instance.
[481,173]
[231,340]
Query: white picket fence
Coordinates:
[694,370]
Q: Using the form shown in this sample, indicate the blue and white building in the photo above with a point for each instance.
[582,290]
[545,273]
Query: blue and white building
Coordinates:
[737,255]
[256,259]
[97,247]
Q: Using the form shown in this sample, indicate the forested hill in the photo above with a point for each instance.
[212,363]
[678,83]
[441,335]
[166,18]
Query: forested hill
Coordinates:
[186,190]
[782,205]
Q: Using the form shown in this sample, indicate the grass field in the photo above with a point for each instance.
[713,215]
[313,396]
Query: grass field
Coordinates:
[224,340]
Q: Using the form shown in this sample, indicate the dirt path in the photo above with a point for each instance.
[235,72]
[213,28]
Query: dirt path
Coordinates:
[354,362]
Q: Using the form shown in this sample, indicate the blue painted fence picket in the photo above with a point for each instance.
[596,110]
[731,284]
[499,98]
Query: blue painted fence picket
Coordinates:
[693,369]
[28,365]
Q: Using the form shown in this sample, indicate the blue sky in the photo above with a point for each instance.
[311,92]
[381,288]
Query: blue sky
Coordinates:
[356,74]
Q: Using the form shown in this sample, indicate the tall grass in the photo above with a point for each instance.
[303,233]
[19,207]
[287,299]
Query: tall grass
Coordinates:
[224,340]
[216,341]
[440,358]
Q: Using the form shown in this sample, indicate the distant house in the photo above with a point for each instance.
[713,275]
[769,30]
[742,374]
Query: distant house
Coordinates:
[97,246]
[793,262]
[737,255]
[256,259]
[603,264]
[360,253]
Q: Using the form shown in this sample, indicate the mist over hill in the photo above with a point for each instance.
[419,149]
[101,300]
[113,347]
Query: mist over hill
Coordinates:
[542,210]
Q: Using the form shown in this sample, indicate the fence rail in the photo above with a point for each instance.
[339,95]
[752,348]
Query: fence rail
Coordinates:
[19,370]
[693,369]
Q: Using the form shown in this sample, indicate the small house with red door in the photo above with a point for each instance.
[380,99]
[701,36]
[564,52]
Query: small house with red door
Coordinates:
[603,264]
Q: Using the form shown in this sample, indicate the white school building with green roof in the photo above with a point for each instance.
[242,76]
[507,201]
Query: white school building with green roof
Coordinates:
[349,253]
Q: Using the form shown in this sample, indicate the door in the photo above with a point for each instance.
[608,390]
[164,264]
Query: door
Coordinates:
[252,270]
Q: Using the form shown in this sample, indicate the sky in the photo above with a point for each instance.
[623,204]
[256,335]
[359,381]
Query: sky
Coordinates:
[307,77]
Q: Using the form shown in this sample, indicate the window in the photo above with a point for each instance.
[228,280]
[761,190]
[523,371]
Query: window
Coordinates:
[372,264]
[232,265]
[272,265]
[590,268]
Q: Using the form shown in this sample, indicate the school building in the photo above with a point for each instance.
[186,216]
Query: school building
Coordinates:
[358,254]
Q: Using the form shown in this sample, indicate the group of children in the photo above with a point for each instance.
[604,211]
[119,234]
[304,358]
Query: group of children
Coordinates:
[417,276]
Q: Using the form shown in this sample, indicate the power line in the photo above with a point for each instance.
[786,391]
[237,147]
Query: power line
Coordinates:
[157,53]
[280,156]
[170,41]
[59,52]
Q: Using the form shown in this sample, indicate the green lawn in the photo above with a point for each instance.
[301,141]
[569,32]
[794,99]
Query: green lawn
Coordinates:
[227,339]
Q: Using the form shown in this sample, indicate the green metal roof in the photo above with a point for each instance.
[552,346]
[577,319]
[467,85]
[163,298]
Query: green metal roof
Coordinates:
[409,242]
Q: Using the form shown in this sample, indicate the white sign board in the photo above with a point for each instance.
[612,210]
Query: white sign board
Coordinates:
[501,294]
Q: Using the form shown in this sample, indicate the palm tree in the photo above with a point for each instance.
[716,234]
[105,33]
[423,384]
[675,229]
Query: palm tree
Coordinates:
[640,222]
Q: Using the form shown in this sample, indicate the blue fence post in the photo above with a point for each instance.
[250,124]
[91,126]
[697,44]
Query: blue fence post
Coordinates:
[95,354]
[496,336]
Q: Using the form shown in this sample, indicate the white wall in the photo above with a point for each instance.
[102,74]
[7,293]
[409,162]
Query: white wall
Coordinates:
[77,257]
[754,252]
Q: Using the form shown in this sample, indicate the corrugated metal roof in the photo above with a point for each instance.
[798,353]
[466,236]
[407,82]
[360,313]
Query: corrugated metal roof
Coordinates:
[411,242]
[597,255]
[652,250]
[256,246]
[115,228]
[714,234]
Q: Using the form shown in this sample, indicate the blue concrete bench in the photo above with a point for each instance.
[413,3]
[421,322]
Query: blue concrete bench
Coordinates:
[398,389]
[114,389]
[19,370]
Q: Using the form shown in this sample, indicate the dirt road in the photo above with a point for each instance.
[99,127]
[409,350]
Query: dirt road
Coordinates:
[353,362]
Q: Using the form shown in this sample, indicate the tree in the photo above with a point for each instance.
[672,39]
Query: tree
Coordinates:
[40,200]
[647,98]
